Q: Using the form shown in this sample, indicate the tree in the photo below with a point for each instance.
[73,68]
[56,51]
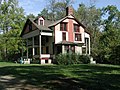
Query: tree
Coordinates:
[44,13]
[91,18]
[111,34]
[55,9]
[12,18]
[30,16]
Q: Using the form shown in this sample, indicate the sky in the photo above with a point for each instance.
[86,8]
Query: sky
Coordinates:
[36,6]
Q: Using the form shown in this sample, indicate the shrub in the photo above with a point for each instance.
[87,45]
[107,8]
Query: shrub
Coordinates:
[85,59]
[61,59]
[115,55]
[72,58]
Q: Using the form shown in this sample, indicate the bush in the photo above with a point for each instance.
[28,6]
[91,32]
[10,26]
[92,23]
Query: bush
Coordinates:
[85,59]
[72,58]
[115,55]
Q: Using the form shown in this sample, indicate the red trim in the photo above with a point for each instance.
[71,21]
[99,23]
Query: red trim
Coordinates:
[44,58]
[70,33]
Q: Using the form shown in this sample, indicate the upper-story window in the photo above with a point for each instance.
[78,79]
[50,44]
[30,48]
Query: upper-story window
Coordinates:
[64,36]
[41,22]
[63,26]
[30,27]
[77,37]
[76,28]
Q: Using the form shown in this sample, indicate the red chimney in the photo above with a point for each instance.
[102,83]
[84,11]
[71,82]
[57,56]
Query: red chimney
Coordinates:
[69,10]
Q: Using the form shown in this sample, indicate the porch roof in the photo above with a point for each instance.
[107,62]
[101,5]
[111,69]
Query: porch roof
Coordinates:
[66,43]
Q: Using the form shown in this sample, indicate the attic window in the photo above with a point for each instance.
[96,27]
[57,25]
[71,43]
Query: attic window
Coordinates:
[41,22]
[30,27]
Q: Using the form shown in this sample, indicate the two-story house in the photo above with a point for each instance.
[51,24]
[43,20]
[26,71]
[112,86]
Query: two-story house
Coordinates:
[45,38]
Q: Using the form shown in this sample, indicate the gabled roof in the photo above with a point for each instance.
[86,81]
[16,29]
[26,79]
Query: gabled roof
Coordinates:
[55,23]
[39,27]
[48,23]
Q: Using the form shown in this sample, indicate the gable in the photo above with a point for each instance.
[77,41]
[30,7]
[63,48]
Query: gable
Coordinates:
[28,27]
[65,19]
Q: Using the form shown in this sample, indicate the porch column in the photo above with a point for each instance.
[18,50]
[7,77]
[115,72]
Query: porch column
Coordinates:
[22,48]
[27,49]
[89,46]
[40,46]
[86,45]
[33,46]
[63,49]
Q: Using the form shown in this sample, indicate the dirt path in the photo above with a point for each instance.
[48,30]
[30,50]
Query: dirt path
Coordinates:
[11,83]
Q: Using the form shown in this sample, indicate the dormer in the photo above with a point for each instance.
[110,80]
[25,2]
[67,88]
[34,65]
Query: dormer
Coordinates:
[40,20]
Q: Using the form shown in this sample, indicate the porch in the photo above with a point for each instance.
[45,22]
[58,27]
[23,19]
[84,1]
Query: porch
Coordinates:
[38,48]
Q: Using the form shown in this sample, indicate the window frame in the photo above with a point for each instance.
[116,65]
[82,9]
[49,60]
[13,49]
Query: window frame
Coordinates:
[63,26]
[77,35]
[41,22]
[76,28]
[63,36]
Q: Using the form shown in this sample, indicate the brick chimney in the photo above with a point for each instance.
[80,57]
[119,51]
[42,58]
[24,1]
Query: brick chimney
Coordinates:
[69,10]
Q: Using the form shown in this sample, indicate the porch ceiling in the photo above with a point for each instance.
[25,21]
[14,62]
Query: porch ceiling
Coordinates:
[67,43]
[35,33]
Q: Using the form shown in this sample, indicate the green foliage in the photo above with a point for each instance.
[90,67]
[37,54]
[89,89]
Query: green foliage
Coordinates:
[72,58]
[55,9]
[91,18]
[115,55]
[12,20]
[110,38]
[84,59]
[30,16]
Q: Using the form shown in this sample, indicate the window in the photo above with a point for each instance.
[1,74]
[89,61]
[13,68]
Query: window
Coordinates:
[41,22]
[64,36]
[77,37]
[30,27]
[63,26]
[83,50]
[76,28]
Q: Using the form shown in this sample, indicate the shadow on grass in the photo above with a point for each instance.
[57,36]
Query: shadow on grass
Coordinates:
[85,77]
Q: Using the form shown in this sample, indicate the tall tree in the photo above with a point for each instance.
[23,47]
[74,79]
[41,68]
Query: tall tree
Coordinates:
[111,33]
[30,16]
[44,13]
[12,18]
[91,18]
[56,9]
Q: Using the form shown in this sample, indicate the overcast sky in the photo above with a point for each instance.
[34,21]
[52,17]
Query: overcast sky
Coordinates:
[35,6]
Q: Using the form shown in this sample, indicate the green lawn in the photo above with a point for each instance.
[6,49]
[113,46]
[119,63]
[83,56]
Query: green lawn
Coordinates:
[56,77]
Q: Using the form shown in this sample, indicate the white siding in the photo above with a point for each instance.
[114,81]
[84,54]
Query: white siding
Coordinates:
[78,49]
[87,35]
[58,36]
[57,27]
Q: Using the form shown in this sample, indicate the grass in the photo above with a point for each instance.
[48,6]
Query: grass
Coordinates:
[59,77]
